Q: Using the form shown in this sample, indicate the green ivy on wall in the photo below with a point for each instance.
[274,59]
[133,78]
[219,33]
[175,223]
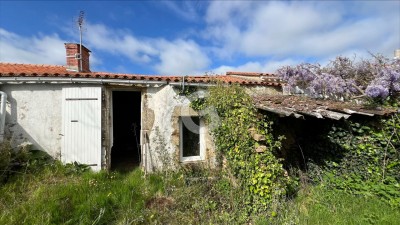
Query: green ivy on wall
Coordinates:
[244,138]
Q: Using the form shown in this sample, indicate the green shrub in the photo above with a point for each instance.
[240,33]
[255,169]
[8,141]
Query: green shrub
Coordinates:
[12,159]
[5,157]
[367,159]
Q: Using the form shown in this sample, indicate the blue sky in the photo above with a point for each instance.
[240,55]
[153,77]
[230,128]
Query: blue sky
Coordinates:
[197,37]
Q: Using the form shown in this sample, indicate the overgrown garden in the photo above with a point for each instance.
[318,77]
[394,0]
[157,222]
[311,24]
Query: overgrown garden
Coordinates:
[361,156]
[350,172]
[356,157]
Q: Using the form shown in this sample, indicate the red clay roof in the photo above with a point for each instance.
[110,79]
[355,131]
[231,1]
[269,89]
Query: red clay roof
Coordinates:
[35,70]
[248,74]
[14,68]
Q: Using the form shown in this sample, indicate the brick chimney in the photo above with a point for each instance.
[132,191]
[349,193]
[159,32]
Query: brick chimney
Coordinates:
[73,58]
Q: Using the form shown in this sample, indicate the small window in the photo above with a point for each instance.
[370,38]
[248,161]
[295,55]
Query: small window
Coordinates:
[191,128]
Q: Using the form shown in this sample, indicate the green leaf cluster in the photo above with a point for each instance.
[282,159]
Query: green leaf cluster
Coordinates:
[371,159]
[259,173]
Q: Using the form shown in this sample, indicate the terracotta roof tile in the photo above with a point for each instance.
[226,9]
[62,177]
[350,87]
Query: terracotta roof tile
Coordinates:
[15,68]
[35,70]
[248,74]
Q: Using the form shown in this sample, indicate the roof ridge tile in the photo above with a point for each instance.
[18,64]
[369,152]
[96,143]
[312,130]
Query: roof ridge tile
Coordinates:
[43,70]
[31,64]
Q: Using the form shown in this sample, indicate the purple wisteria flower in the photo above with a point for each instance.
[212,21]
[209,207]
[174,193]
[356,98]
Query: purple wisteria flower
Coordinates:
[377,91]
[377,78]
[385,84]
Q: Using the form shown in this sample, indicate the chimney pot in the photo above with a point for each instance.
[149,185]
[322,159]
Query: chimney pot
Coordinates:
[74,56]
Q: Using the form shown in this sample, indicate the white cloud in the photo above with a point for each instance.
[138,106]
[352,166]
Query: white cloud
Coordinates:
[277,32]
[306,28]
[177,56]
[268,66]
[98,36]
[187,10]
[165,56]
[232,11]
[41,49]
[180,57]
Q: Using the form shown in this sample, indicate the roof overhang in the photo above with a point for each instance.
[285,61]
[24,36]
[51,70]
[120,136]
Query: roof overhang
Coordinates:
[301,107]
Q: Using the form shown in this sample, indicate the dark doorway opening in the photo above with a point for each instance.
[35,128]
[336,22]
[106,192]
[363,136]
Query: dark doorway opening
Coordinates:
[125,152]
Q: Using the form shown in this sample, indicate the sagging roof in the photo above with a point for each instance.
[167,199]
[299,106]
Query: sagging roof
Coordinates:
[301,106]
[36,70]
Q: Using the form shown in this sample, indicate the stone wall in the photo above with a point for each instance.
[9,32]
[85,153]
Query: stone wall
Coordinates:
[162,108]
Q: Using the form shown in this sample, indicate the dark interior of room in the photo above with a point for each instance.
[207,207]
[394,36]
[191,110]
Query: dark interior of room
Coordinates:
[125,152]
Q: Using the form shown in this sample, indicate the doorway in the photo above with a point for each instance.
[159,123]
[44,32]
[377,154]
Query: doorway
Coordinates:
[126,125]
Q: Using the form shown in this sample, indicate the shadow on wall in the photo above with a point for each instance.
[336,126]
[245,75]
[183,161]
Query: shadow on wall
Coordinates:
[22,125]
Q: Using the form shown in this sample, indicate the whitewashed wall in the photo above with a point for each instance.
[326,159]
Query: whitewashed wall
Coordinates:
[34,115]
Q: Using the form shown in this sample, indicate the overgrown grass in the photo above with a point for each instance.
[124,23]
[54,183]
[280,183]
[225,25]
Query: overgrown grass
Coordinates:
[321,205]
[200,197]
[54,196]
[59,194]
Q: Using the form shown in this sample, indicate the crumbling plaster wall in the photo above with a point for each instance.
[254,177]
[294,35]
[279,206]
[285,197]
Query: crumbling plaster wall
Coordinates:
[34,115]
[263,90]
[162,108]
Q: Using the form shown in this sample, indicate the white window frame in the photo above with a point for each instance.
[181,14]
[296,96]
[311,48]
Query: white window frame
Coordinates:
[202,131]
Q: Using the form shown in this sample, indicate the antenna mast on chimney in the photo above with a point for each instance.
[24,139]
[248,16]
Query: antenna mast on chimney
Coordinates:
[80,24]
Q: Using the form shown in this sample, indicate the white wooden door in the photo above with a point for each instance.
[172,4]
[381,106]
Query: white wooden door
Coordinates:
[81,110]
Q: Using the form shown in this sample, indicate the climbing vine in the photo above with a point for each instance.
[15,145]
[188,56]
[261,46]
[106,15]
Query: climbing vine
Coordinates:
[244,138]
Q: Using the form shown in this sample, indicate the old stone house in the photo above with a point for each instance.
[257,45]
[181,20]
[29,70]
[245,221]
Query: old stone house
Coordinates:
[110,119]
